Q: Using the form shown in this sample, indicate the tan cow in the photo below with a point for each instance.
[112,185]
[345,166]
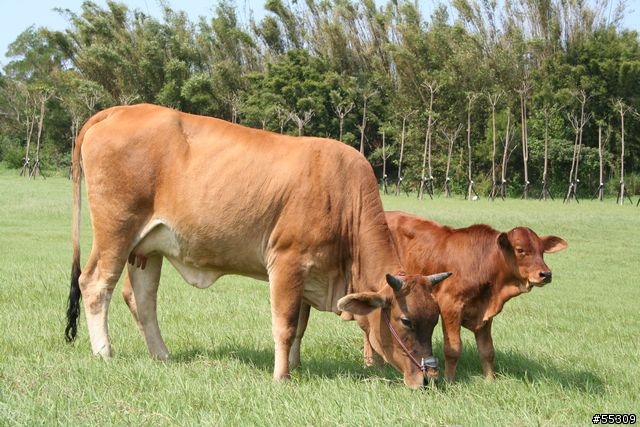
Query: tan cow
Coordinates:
[488,268]
[216,198]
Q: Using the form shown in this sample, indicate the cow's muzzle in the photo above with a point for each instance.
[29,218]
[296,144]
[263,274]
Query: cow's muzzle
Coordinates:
[545,277]
[430,369]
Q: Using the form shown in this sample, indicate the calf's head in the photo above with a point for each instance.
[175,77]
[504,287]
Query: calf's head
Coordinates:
[524,250]
[399,321]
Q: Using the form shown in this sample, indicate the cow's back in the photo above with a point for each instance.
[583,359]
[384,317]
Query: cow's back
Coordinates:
[427,246]
[234,198]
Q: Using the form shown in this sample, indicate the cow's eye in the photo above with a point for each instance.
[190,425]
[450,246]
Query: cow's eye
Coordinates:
[520,251]
[406,322]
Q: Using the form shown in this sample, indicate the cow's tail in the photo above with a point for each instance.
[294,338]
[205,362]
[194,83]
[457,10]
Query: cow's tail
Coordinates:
[73,303]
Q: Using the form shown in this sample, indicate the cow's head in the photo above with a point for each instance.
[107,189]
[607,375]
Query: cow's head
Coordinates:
[399,322]
[524,250]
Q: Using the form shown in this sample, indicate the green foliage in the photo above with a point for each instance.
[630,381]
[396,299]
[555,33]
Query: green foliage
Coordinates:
[305,62]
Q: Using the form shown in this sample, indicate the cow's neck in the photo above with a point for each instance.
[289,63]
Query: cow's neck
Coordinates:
[373,256]
[505,287]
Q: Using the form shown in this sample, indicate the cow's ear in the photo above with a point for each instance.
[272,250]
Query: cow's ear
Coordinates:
[553,243]
[362,303]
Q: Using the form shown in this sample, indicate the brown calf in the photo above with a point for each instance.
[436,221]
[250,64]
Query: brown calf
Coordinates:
[488,268]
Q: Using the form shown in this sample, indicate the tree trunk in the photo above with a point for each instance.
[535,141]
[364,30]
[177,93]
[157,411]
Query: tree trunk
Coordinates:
[525,137]
[493,100]
[405,117]
[384,165]
[470,98]
[600,191]
[545,170]
[451,137]
[505,157]
[623,110]
[426,155]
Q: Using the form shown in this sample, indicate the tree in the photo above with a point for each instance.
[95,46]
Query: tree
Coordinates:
[451,137]
[405,117]
[426,156]
[471,97]
[623,109]
[493,101]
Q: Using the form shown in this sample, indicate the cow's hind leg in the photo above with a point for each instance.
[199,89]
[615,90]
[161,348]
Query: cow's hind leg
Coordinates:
[484,341]
[97,281]
[286,287]
[140,291]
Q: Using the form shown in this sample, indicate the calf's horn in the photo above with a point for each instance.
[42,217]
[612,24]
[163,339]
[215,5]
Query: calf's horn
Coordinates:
[395,282]
[438,277]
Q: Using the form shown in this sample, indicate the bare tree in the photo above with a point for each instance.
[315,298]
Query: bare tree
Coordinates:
[43,95]
[234,102]
[524,95]
[80,105]
[471,97]
[623,109]
[124,99]
[578,124]
[385,156]
[365,97]
[426,156]
[301,120]
[451,137]
[405,117]
[505,156]
[493,100]
[599,194]
[341,110]
[30,119]
[283,117]
[546,112]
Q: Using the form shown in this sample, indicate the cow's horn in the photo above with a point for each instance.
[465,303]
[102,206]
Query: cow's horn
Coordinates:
[438,277]
[395,282]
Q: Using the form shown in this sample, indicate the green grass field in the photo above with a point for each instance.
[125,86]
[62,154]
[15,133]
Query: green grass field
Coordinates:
[563,352]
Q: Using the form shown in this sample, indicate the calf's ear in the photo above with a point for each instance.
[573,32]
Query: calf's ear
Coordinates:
[504,243]
[553,243]
[362,303]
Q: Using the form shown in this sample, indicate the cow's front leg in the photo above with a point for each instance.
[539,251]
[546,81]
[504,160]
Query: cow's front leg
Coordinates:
[303,319]
[142,302]
[452,342]
[484,341]
[371,358]
[286,287]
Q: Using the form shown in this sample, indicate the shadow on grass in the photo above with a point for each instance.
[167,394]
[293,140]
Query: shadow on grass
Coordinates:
[311,366]
[514,365]
[519,366]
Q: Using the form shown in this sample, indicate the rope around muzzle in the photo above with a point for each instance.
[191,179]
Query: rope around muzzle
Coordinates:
[424,364]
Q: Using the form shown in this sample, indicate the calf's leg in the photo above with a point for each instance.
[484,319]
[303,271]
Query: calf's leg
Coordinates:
[484,341]
[452,343]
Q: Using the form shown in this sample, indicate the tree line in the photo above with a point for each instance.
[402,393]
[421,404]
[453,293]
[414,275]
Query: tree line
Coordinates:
[526,98]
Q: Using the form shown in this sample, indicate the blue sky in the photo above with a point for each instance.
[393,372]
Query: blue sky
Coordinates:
[17,16]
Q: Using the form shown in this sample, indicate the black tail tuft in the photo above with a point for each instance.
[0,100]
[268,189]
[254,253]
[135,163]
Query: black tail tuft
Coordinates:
[73,304]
